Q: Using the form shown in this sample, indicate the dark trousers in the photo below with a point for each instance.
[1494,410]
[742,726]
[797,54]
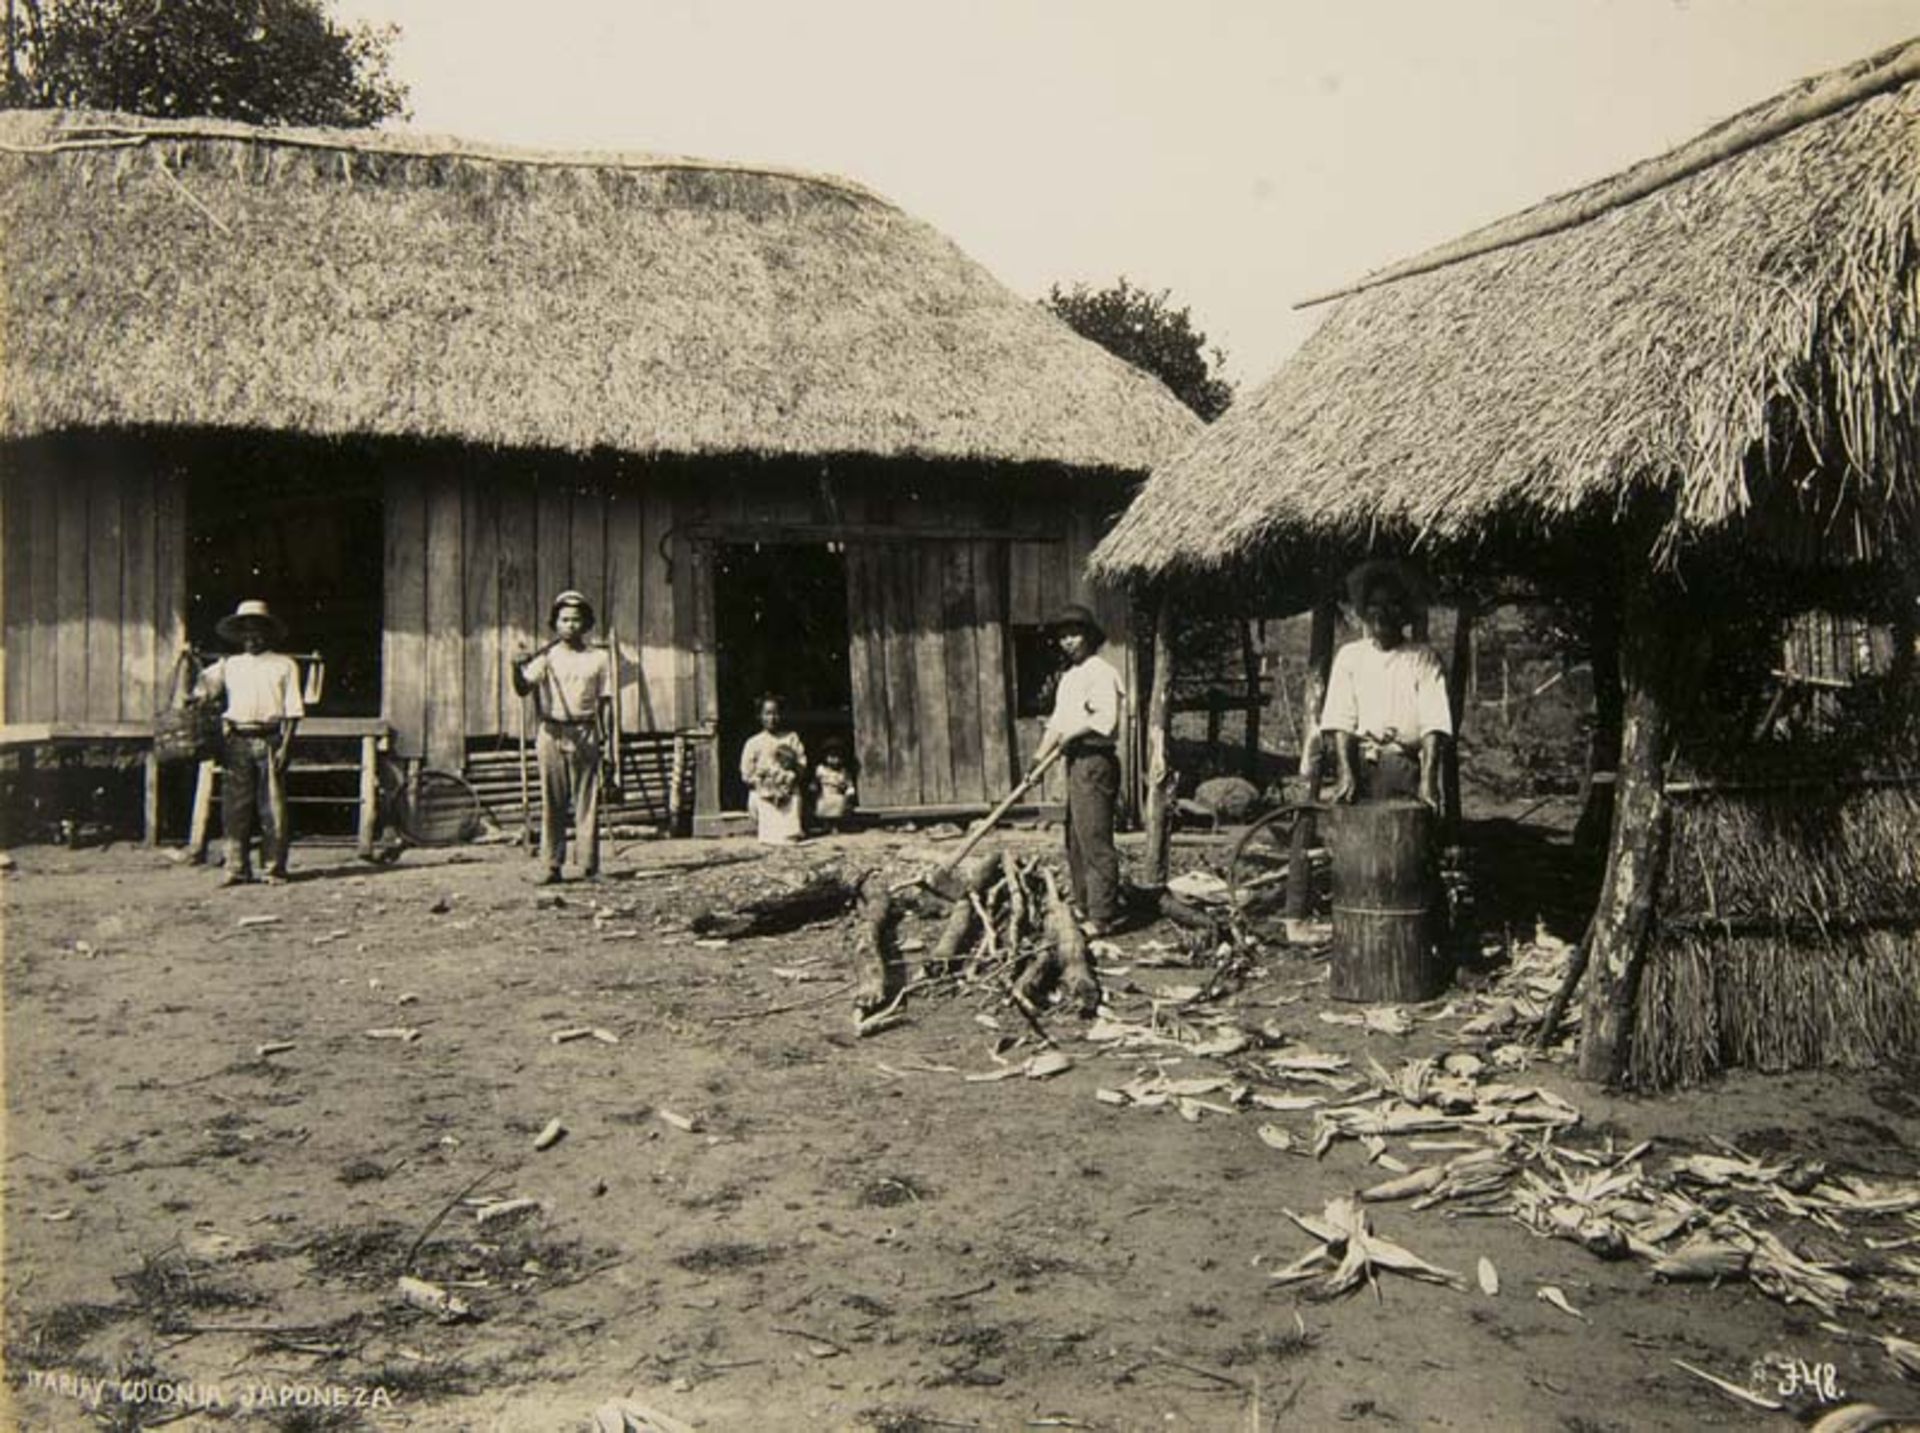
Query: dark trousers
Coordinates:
[1093,865]
[569,787]
[254,788]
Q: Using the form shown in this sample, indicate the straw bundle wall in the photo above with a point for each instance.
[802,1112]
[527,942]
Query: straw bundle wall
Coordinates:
[216,276]
[1737,351]
[1788,938]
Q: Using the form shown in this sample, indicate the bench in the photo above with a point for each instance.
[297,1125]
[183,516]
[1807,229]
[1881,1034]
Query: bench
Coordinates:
[370,735]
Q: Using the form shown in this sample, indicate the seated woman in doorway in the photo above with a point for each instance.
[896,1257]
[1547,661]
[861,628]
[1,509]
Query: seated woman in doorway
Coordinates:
[1386,707]
[773,764]
[261,688]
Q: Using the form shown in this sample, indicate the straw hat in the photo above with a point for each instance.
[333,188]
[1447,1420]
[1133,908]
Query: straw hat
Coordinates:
[1074,615]
[249,614]
[570,598]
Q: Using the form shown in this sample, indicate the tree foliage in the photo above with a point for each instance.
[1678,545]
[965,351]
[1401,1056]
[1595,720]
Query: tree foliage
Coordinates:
[1147,331]
[259,61]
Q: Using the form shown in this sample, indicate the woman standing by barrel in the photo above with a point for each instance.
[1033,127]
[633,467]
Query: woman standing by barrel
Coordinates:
[1386,706]
[1387,712]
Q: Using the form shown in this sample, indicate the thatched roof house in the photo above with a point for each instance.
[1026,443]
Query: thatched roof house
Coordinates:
[1687,333]
[218,276]
[410,387]
[1655,394]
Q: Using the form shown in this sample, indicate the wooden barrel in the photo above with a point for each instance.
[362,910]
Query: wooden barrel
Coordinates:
[1385,889]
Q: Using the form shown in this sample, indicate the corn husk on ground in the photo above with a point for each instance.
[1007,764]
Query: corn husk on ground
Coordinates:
[1355,1252]
[1458,1132]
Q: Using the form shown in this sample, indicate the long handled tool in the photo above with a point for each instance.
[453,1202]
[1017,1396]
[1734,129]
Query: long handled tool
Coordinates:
[616,737]
[526,792]
[529,702]
[941,880]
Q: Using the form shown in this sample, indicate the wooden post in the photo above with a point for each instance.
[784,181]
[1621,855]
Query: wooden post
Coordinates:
[1160,777]
[1465,613]
[1906,615]
[150,799]
[1250,667]
[1656,652]
[676,783]
[1314,692]
[369,826]
[202,820]
[1603,749]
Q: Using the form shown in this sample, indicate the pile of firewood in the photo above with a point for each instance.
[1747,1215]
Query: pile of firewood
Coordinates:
[1009,930]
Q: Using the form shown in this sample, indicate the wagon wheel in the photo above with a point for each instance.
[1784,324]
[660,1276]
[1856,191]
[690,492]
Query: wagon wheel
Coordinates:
[1257,867]
[438,808]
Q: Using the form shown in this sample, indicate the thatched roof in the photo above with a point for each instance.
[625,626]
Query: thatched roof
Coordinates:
[1688,339]
[213,275]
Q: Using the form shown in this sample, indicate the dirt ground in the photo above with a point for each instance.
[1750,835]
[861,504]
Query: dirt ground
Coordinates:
[755,1219]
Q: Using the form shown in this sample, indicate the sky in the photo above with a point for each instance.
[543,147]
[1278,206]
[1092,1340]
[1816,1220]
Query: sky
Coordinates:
[1241,154]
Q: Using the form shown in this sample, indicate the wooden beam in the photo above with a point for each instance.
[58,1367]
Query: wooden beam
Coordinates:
[997,741]
[13,594]
[1603,746]
[812,532]
[1250,666]
[1313,695]
[443,650]
[1160,775]
[1656,653]
[404,639]
[706,677]
[1459,667]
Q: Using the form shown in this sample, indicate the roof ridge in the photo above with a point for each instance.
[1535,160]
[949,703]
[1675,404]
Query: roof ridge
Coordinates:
[131,132]
[1806,101]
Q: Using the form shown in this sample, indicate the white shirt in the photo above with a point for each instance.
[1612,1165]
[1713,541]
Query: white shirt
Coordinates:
[1087,701]
[569,683]
[762,752]
[1396,696]
[260,688]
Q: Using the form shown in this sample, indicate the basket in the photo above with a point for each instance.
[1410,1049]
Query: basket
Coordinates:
[188,727]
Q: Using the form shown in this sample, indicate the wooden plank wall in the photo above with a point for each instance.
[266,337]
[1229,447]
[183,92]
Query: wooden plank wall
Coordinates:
[474,556]
[94,590]
[928,666]
[1042,578]
[932,664]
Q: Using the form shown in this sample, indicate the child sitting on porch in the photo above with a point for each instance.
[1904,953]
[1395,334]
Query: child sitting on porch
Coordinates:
[773,764]
[833,793]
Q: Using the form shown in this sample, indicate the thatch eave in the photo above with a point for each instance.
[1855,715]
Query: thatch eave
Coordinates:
[1739,348]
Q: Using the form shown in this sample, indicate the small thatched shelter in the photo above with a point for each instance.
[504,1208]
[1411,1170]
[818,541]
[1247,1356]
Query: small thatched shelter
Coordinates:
[1661,394]
[406,389]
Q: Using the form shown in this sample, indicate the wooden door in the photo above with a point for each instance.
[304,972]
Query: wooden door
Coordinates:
[929,672]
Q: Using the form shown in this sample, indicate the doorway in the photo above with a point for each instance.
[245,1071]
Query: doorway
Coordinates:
[309,542]
[780,625]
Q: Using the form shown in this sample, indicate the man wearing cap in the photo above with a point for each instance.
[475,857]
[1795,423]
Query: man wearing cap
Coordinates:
[1086,722]
[263,708]
[569,681]
[1386,706]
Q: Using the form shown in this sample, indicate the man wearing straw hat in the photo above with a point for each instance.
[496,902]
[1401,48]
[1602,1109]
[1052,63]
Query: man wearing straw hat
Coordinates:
[568,680]
[1386,706]
[263,707]
[1086,721]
